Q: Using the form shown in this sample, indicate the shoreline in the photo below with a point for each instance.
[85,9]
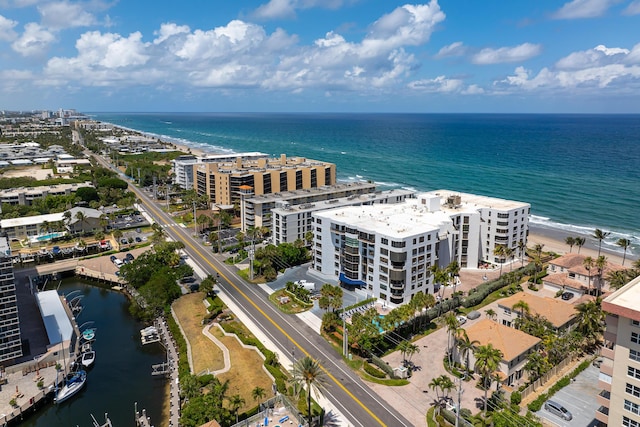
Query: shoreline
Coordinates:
[552,237]
[553,241]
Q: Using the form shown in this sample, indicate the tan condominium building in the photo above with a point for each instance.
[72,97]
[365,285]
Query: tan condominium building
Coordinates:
[619,379]
[227,182]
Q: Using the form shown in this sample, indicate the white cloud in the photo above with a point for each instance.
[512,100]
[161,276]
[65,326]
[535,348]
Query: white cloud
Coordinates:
[613,69]
[473,90]
[633,8]
[577,9]
[507,54]
[6,29]
[453,49]
[439,84]
[286,9]
[34,41]
[61,15]
[169,29]
[598,56]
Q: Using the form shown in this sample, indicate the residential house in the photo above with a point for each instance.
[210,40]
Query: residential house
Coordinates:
[560,313]
[568,273]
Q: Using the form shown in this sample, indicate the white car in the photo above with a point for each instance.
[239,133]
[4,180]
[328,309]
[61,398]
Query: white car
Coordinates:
[461,319]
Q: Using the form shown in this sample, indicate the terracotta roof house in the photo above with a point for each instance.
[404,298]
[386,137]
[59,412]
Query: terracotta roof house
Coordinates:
[515,346]
[560,313]
[568,273]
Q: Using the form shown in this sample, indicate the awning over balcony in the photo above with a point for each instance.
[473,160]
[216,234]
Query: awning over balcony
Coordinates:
[351,282]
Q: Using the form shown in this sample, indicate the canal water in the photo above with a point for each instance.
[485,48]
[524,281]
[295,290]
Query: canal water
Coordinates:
[121,375]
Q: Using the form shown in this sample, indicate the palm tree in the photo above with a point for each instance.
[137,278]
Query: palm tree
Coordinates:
[509,254]
[601,264]
[490,313]
[236,401]
[624,244]
[536,366]
[600,235]
[488,359]
[80,216]
[452,324]
[45,226]
[103,221]
[580,241]
[257,393]
[435,385]
[446,385]
[499,251]
[570,241]
[588,264]
[590,319]
[308,372]
[465,347]
[617,279]
[522,247]
[523,307]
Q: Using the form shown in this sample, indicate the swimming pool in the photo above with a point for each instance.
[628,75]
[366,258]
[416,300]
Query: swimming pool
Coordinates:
[50,236]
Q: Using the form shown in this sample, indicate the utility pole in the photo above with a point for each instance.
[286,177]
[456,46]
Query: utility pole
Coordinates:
[155,194]
[251,256]
[139,182]
[345,335]
[459,399]
[195,223]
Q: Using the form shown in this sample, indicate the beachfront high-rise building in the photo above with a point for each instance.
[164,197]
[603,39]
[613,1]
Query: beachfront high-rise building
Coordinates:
[183,166]
[226,183]
[389,249]
[10,342]
[619,377]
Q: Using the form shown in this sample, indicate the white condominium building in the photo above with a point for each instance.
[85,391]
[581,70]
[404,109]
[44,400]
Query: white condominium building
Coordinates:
[388,249]
[619,378]
[293,222]
[183,166]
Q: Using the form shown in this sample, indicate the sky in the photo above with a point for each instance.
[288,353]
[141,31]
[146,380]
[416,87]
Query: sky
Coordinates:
[492,56]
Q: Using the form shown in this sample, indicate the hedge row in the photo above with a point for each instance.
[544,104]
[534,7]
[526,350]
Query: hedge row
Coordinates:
[482,291]
[374,372]
[564,381]
[383,365]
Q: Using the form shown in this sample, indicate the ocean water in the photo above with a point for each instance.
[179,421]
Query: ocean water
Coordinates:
[578,172]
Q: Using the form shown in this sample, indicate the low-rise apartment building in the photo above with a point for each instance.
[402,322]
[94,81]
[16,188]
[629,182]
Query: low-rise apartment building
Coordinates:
[26,195]
[33,226]
[514,344]
[569,273]
[560,314]
[619,377]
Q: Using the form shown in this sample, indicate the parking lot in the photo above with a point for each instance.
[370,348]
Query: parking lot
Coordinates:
[579,398]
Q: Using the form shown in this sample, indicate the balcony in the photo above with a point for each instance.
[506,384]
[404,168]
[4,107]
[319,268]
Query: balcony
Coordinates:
[607,367]
[604,398]
[397,286]
[607,352]
[610,335]
[395,300]
[602,414]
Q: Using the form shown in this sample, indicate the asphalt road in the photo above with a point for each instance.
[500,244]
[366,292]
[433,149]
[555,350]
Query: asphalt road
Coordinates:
[345,390]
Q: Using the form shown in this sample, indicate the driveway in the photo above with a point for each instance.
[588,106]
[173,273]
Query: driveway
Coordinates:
[579,398]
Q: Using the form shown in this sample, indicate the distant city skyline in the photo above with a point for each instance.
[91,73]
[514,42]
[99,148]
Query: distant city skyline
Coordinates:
[579,56]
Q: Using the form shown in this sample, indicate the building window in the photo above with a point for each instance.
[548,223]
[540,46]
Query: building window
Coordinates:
[398,244]
[627,422]
[634,355]
[384,241]
[635,337]
[635,323]
[633,372]
[633,390]
[632,407]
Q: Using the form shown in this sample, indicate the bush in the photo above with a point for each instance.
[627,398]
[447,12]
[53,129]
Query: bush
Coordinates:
[374,372]
[537,404]
[516,398]
[383,365]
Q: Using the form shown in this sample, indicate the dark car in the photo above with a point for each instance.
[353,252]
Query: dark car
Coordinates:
[567,296]
[124,241]
[113,258]
[195,287]
[129,257]
[55,250]
[138,239]
[189,279]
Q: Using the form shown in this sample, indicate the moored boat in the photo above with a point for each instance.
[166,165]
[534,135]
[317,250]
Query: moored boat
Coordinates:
[87,358]
[72,385]
[89,334]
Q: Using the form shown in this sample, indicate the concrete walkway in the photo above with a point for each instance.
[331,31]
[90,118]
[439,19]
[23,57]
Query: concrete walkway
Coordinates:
[225,350]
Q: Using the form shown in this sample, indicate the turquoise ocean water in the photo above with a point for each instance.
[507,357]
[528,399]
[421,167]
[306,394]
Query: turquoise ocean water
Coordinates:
[578,172]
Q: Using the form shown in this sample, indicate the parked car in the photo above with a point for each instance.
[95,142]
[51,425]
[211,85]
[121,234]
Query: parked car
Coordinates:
[129,257]
[55,250]
[113,258]
[124,241]
[461,319]
[189,279]
[118,262]
[557,409]
[567,296]
[138,239]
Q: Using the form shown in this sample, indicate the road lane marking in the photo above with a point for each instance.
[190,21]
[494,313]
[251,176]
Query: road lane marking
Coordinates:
[278,327]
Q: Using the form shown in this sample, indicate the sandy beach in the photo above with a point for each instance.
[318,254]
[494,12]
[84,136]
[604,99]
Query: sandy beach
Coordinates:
[554,241]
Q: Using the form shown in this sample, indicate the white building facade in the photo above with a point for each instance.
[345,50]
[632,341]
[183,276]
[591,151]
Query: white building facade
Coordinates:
[388,249]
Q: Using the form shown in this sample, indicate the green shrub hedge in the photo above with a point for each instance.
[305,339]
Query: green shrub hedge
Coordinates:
[374,372]
[563,382]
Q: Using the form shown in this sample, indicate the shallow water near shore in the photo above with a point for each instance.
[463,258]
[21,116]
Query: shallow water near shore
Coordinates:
[121,375]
